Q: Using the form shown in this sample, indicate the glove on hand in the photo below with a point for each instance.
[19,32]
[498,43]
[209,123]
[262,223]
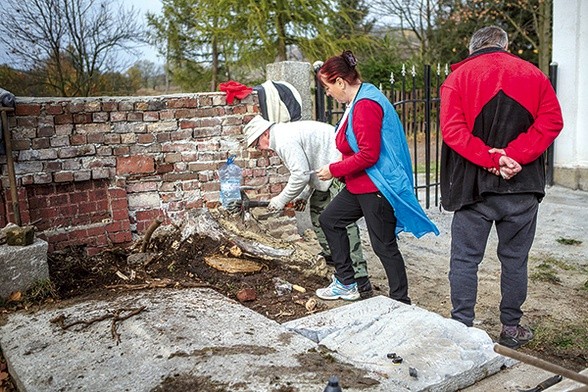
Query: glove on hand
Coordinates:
[299,204]
[275,205]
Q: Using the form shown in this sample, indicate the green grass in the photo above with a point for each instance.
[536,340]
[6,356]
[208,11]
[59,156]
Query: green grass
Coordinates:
[41,290]
[545,272]
[548,269]
[562,337]
[568,241]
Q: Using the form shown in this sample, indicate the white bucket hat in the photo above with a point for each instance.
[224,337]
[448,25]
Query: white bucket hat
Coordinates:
[255,128]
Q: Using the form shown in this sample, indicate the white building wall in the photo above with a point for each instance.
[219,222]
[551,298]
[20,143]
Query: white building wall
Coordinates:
[570,52]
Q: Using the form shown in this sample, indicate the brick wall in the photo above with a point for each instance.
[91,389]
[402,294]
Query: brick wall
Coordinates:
[98,171]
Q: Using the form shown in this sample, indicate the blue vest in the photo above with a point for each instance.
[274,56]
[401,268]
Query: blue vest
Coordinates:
[392,173]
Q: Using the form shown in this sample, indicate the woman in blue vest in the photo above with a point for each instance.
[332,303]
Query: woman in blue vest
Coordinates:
[376,168]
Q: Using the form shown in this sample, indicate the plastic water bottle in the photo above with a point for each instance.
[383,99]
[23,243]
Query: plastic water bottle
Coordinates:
[333,385]
[230,181]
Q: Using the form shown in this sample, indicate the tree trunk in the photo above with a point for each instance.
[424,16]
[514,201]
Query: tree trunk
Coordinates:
[215,64]
[544,34]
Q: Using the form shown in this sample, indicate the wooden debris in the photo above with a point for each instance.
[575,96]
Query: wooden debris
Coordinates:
[15,296]
[300,289]
[233,265]
[154,225]
[203,223]
[311,305]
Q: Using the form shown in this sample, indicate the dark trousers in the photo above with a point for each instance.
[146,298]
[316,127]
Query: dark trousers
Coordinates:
[515,217]
[380,220]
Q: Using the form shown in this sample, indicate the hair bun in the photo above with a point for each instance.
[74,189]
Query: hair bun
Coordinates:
[349,58]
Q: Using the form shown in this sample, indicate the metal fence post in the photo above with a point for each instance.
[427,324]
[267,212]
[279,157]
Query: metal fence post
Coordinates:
[549,154]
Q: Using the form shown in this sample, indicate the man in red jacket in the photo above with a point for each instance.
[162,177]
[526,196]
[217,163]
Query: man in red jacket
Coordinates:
[499,114]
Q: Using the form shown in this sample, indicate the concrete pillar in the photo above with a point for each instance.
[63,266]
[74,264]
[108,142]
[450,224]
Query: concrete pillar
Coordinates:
[570,52]
[298,74]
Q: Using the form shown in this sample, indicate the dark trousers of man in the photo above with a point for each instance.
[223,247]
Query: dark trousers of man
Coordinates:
[380,220]
[515,216]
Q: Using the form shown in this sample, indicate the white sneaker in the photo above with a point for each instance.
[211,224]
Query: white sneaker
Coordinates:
[338,290]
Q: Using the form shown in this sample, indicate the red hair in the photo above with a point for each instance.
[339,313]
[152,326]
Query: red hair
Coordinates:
[343,66]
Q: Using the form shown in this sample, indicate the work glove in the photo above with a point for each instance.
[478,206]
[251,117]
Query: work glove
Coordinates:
[275,205]
[299,204]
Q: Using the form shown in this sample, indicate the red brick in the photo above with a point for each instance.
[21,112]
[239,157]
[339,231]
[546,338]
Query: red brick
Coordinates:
[134,165]
[120,237]
[95,138]
[86,208]
[148,215]
[199,203]
[121,151]
[82,118]
[45,131]
[135,116]
[182,103]
[63,177]
[54,109]
[120,214]
[78,197]
[76,140]
[151,116]
[41,143]
[109,106]
[75,107]
[63,119]
[27,122]
[25,109]
[143,138]
[189,124]
[99,194]
[164,168]
[121,225]
[119,204]
[117,193]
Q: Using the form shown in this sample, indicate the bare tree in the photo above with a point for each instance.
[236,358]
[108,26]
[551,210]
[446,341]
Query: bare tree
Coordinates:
[414,16]
[67,44]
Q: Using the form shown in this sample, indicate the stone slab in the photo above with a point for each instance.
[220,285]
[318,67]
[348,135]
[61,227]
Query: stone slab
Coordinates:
[197,336]
[22,266]
[198,339]
[447,355]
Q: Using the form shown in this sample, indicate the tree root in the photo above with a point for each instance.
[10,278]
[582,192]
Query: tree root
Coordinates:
[116,316]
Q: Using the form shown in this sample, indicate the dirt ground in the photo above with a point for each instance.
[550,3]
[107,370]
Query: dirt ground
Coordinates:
[556,306]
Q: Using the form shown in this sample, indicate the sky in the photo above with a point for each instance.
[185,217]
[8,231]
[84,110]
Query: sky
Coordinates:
[143,6]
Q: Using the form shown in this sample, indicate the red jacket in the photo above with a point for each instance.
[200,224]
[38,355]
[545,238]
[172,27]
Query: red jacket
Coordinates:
[367,127]
[495,99]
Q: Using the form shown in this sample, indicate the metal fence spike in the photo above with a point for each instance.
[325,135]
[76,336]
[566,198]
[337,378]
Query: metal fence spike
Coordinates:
[392,77]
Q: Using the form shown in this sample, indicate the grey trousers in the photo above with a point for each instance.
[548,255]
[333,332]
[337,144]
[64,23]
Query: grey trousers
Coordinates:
[515,217]
[318,202]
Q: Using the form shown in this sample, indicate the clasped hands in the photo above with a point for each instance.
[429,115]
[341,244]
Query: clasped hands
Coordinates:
[508,166]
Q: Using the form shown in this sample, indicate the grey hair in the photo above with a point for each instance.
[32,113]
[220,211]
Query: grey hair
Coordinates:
[487,37]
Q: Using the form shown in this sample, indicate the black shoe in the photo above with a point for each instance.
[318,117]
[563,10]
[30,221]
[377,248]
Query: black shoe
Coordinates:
[515,337]
[365,288]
